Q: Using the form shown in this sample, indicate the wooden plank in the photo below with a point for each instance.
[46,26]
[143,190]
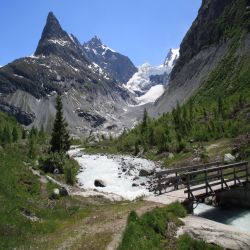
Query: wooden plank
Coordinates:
[217,168]
[183,169]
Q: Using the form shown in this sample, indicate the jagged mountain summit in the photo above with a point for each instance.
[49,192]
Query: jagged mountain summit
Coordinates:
[118,66]
[172,58]
[55,41]
[28,86]
[149,82]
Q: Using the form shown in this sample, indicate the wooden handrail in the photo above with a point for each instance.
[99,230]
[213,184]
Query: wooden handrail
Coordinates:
[182,169]
[216,168]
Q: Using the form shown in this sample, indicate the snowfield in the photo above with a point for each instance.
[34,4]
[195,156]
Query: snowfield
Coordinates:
[152,95]
[119,174]
[140,81]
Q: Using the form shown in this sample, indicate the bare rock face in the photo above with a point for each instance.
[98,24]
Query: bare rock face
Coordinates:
[215,233]
[22,117]
[116,65]
[203,48]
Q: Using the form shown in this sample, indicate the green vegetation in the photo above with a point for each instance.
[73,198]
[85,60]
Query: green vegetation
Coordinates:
[10,131]
[24,198]
[156,230]
[28,208]
[60,140]
[185,242]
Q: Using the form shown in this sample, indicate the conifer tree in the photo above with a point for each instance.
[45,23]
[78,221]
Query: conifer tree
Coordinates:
[220,107]
[144,122]
[60,141]
[23,134]
[32,147]
[6,135]
[14,134]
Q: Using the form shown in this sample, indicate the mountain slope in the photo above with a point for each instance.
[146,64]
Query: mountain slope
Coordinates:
[214,94]
[218,26]
[118,66]
[28,85]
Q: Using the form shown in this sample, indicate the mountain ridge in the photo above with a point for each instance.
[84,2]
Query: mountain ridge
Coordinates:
[28,85]
[118,66]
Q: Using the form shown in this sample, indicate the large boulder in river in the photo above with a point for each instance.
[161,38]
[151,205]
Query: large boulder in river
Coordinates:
[228,158]
[145,173]
[99,183]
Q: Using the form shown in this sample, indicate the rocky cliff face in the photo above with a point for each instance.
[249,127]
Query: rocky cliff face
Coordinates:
[28,86]
[118,66]
[208,41]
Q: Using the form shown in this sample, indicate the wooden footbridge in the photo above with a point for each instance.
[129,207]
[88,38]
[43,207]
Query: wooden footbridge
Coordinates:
[194,183]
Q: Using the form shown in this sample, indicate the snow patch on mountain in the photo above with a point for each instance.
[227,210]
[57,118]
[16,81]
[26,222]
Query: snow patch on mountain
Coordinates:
[59,41]
[171,58]
[140,81]
[152,95]
[148,83]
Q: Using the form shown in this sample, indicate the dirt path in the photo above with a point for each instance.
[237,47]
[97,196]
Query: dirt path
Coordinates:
[106,224]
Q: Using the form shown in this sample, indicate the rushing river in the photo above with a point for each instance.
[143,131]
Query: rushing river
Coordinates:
[236,217]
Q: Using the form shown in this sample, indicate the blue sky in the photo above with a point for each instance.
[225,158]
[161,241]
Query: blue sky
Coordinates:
[144,30]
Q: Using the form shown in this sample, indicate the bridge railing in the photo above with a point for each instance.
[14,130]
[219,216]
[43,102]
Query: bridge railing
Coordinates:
[172,179]
[208,181]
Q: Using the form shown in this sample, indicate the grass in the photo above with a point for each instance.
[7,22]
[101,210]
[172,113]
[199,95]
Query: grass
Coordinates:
[21,195]
[76,222]
[152,231]
[185,242]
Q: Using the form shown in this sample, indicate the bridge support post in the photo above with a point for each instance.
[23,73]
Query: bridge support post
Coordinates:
[189,205]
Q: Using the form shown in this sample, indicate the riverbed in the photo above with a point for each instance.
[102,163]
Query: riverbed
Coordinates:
[236,217]
[118,176]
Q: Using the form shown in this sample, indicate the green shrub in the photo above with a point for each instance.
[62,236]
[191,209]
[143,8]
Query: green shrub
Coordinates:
[53,161]
[185,242]
[148,232]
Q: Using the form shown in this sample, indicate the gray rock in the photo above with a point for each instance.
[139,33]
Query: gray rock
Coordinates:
[145,173]
[170,156]
[56,191]
[99,183]
[229,158]
[56,171]
[63,191]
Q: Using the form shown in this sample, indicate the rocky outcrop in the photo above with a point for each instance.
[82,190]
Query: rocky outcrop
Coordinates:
[95,120]
[215,233]
[21,116]
[118,66]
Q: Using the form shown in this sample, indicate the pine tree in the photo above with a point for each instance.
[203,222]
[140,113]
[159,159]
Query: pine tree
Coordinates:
[6,135]
[14,134]
[23,134]
[137,149]
[60,141]
[144,125]
[32,147]
[220,107]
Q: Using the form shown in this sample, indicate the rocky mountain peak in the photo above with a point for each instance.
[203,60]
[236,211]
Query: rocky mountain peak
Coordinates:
[53,29]
[171,58]
[118,66]
[95,42]
[55,41]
